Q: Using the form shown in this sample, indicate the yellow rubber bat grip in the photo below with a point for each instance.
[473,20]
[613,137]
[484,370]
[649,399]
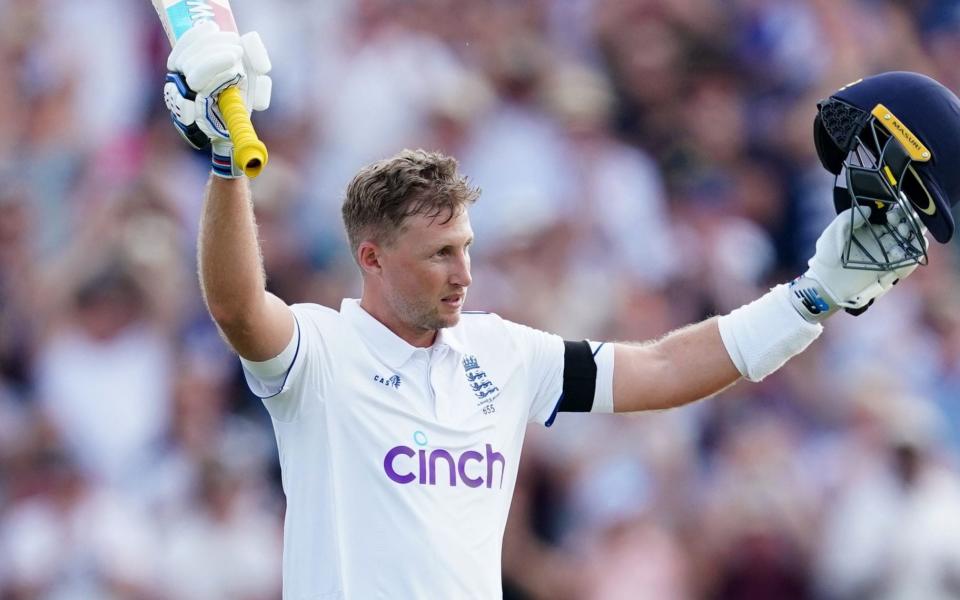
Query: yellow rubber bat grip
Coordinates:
[248,151]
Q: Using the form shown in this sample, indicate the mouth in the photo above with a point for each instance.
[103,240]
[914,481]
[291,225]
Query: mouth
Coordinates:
[453,301]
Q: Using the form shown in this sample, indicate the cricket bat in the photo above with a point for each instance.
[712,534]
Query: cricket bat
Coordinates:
[177,17]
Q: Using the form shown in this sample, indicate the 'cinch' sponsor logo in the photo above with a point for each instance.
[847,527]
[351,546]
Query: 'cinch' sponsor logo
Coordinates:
[405,465]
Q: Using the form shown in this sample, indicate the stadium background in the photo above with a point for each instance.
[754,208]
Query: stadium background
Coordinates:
[644,164]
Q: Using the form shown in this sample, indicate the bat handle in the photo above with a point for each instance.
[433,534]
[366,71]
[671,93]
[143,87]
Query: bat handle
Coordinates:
[248,151]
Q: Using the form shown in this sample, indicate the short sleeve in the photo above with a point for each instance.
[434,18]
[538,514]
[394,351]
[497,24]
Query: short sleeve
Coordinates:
[542,354]
[297,379]
[545,355]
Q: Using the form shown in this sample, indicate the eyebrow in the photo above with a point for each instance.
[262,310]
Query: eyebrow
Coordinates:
[440,246]
[468,242]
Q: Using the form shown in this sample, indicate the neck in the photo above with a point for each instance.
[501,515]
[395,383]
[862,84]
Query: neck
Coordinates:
[415,336]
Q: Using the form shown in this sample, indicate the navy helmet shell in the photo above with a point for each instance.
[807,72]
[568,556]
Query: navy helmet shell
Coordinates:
[928,110]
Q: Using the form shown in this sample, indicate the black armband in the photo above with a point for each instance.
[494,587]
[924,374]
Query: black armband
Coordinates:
[579,377]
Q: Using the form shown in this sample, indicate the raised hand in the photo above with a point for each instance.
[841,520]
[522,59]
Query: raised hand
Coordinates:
[828,285]
[204,62]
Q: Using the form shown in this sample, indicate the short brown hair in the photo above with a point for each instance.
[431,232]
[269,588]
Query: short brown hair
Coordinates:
[413,182]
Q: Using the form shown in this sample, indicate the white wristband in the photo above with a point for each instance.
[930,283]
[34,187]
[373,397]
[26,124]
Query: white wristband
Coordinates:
[764,334]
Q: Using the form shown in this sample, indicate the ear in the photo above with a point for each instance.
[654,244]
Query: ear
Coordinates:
[368,257]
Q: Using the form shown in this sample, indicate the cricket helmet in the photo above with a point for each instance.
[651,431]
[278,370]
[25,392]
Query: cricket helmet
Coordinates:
[893,140]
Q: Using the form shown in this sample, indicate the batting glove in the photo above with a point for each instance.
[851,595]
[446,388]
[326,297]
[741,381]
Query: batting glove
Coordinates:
[204,62]
[828,286]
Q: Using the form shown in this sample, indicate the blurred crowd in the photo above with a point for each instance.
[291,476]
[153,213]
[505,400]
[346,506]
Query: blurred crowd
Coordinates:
[644,164]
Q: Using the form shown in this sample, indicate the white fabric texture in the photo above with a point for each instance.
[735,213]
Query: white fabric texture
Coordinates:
[266,378]
[277,365]
[761,336]
[603,394]
[376,435]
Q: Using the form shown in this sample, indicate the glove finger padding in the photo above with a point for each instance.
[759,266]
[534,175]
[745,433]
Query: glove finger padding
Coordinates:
[855,288]
[875,242]
[204,62]
[259,92]
[180,102]
[255,53]
[259,86]
[215,70]
[179,99]
[211,60]
[197,41]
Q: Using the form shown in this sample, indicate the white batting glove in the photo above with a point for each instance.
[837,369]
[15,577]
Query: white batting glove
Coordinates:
[203,63]
[827,286]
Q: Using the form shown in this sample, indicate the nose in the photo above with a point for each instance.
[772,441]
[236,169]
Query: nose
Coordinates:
[461,273]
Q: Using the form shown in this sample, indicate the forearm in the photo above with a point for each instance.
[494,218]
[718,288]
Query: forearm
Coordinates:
[699,360]
[684,366]
[230,265]
[256,324]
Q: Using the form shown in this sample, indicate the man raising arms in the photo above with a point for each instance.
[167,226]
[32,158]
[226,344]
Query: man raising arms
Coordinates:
[399,418]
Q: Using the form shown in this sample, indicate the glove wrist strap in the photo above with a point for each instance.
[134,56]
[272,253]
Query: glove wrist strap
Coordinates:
[809,298]
[222,164]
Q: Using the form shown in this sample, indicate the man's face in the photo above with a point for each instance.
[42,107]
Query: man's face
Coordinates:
[426,272]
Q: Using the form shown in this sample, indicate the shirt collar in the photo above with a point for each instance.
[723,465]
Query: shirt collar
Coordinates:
[450,336]
[391,347]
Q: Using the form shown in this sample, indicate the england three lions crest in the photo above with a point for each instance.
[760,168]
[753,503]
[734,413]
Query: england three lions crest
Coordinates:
[484,389]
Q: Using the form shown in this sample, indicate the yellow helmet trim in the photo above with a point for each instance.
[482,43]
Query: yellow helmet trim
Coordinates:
[931,208]
[889,174]
[917,151]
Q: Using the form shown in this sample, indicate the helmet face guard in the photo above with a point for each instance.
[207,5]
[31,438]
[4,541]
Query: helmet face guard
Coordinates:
[875,170]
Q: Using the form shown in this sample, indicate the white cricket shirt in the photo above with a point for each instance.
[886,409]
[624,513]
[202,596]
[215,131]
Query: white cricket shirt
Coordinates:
[399,463]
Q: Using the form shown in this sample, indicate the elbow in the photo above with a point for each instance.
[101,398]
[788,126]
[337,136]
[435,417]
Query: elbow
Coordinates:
[231,316]
[224,316]
[231,307]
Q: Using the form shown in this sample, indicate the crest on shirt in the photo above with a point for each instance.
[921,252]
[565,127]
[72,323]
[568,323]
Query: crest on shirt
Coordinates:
[484,389]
